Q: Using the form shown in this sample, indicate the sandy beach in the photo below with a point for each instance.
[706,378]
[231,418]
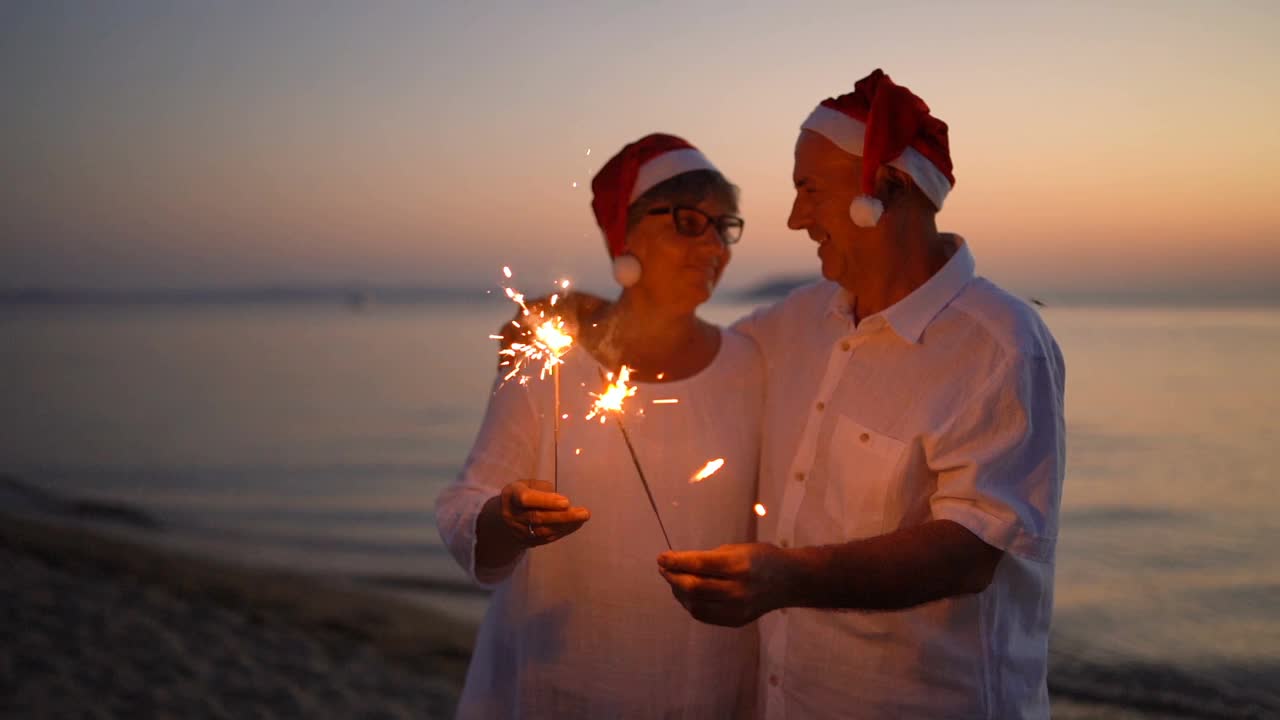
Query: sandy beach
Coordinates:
[97,627]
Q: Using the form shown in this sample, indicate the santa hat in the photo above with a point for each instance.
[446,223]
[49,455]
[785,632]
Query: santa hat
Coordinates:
[628,175]
[886,124]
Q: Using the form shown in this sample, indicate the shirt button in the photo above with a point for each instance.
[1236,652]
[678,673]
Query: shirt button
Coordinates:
[773,680]
[799,477]
[821,406]
[864,437]
[845,346]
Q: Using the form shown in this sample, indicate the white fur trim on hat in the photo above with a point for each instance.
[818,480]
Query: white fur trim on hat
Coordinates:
[865,211]
[849,133]
[666,166]
[626,270]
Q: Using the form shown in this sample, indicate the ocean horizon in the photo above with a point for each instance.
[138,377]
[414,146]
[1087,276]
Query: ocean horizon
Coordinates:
[359,295]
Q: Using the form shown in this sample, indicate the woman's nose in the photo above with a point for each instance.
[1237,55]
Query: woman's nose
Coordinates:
[711,242]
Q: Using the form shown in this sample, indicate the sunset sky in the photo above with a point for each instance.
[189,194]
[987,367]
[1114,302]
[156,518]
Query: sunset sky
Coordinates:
[1098,147]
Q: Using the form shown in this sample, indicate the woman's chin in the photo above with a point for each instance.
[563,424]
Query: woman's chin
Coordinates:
[685,295]
[704,289]
[694,296]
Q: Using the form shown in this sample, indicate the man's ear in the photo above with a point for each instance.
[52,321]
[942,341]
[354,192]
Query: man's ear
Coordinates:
[892,186]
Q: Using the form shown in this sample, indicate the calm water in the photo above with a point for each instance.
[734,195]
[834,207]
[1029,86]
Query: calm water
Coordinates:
[317,437]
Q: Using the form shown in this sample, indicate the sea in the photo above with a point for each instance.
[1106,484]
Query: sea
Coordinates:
[315,435]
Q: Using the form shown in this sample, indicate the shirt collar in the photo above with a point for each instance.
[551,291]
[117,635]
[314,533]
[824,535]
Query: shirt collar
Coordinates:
[912,314]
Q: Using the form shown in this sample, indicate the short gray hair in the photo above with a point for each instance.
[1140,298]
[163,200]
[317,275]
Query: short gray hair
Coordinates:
[689,189]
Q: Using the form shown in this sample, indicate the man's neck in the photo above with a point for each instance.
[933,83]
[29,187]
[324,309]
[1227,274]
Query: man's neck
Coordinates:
[889,271]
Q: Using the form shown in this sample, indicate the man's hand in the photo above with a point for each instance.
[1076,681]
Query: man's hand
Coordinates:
[534,515]
[735,584]
[731,585]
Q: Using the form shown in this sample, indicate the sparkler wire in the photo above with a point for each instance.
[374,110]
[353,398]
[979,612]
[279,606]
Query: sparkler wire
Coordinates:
[555,436]
[636,461]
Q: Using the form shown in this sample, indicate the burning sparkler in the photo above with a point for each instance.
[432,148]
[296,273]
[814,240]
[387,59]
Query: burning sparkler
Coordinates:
[546,342]
[610,401]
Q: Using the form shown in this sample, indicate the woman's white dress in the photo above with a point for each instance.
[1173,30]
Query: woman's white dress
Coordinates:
[585,627]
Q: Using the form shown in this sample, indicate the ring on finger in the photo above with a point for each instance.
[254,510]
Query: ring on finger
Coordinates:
[531,532]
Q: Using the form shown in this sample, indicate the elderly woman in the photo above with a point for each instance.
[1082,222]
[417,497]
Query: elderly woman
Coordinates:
[581,625]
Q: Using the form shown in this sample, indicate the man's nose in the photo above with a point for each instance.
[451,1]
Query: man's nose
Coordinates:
[799,218]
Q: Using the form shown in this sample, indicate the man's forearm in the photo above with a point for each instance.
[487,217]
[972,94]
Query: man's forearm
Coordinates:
[899,570]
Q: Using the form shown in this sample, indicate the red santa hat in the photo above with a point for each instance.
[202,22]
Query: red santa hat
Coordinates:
[628,175]
[886,124]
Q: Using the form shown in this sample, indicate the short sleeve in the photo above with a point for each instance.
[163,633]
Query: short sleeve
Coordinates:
[1000,460]
[505,450]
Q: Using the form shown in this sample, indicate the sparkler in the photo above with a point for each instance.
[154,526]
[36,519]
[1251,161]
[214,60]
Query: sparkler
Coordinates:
[610,401]
[547,342]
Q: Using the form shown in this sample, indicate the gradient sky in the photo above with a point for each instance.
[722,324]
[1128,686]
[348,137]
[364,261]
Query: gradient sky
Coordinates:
[1098,146]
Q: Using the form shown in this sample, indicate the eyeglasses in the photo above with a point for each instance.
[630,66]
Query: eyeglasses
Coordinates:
[692,222]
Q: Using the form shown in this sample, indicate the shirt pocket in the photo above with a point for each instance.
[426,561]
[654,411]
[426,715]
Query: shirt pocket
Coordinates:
[863,466]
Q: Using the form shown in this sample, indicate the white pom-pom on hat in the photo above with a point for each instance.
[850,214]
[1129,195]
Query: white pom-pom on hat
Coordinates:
[866,210]
[626,270]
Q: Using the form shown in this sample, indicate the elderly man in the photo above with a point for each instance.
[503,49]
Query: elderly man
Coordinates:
[913,450]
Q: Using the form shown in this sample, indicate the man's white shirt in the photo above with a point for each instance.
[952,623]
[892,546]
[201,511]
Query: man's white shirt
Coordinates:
[947,405]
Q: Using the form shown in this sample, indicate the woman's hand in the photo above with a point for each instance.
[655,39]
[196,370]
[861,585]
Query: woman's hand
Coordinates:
[536,516]
[526,514]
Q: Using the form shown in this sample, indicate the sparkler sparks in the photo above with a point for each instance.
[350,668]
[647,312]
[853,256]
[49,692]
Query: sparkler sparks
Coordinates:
[707,470]
[610,401]
[665,401]
[546,342]
[760,510]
